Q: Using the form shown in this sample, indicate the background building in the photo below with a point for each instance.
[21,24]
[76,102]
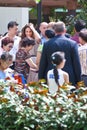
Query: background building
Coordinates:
[21,15]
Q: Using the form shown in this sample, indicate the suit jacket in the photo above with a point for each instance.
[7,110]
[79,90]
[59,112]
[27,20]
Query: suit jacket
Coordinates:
[70,48]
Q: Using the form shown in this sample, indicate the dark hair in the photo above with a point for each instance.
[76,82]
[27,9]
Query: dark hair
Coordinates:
[6,41]
[27,42]
[6,56]
[49,33]
[79,24]
[83,34]
[11,24]
[57,58]
[23,31]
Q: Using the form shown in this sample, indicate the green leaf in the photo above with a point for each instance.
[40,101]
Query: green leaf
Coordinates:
[37,1]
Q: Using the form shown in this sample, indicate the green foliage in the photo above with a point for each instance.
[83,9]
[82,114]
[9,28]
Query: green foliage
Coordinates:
[31,107]
[37,1]
[82,15]
[33,12]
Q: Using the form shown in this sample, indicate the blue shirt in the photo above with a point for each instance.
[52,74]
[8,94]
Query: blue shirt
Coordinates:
[2,75]
[43,39]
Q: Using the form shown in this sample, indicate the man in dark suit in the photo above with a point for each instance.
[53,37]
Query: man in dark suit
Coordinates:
[69,47]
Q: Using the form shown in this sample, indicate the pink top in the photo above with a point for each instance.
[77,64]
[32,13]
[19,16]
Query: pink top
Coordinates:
[76,37]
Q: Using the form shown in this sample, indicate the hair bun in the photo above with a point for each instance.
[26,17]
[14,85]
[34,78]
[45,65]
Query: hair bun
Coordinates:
[3,57]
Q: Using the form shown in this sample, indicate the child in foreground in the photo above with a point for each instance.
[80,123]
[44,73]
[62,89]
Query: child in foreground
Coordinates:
[5,61]
[57,77]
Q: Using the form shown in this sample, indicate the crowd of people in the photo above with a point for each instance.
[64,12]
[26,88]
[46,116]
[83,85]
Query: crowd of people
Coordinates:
[51,54]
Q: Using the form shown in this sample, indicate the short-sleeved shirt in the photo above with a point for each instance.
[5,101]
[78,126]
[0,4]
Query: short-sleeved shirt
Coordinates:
[21,65]
[83,58]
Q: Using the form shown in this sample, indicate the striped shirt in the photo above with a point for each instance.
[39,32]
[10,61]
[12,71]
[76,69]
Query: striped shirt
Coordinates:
[83,58]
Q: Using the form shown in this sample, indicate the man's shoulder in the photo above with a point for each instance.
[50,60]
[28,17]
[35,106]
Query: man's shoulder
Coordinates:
[64,38]
[66,41]
[15,37]
[70,41]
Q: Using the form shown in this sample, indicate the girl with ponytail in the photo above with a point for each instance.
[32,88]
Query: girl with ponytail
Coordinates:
[57,77]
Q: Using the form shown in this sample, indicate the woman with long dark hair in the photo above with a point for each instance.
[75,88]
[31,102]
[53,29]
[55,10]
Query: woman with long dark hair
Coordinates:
[30,32]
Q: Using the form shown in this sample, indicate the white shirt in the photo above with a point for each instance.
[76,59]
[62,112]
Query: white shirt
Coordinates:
[43,39]
[83,58]
[53,87]
[15,48]
[1,50]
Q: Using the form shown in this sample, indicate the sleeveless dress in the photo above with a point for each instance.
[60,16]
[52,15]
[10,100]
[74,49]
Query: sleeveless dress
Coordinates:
[53,87]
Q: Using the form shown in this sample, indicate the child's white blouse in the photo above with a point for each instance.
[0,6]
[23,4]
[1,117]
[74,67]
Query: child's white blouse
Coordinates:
[53,87]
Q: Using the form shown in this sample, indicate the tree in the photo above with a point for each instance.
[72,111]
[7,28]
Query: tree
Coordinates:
[81,15]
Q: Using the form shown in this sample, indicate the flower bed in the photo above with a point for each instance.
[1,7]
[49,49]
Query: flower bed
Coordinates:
[31,107]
